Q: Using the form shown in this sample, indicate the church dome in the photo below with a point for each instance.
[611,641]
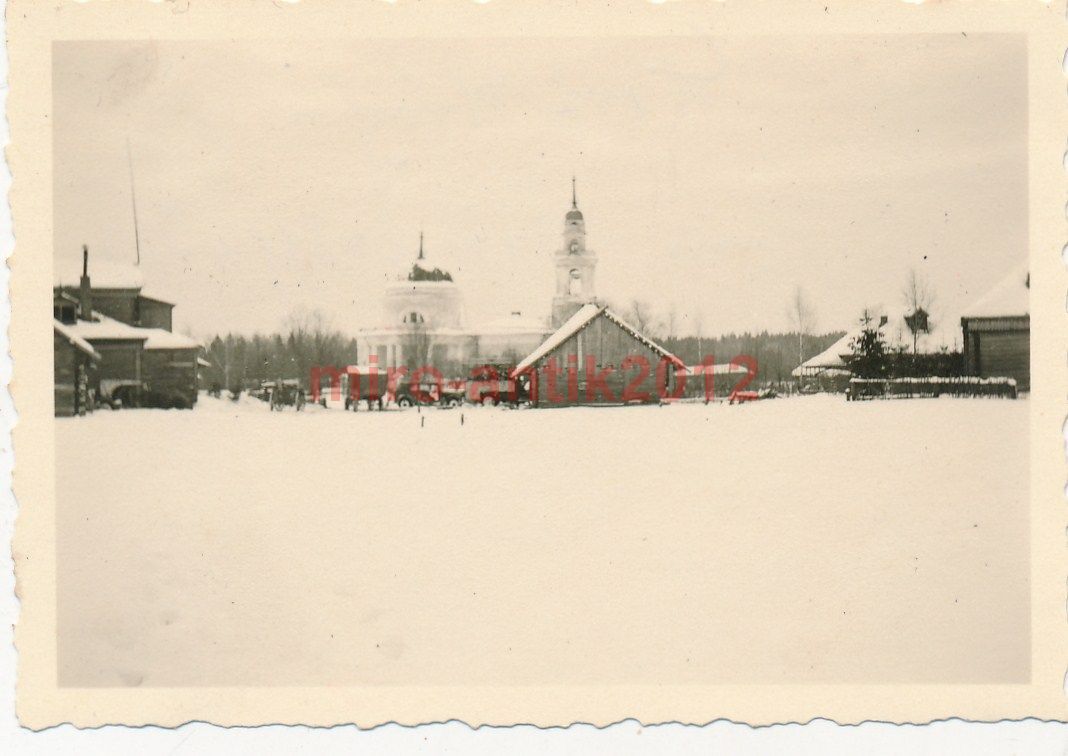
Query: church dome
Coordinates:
[422,270]
[574,214]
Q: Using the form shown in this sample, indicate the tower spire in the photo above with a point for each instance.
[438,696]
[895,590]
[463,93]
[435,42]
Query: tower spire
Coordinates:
[574,196]
[420,245]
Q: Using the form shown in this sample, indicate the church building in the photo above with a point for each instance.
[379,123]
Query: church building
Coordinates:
[423,319]
[575,267]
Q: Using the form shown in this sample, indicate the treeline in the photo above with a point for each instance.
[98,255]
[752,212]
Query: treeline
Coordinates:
[776,354]
[241,362]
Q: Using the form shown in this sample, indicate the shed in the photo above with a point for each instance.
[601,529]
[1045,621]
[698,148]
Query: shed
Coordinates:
[997,331]
[596,357]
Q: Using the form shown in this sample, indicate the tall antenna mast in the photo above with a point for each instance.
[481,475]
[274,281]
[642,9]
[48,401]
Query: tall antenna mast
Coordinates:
[133,201]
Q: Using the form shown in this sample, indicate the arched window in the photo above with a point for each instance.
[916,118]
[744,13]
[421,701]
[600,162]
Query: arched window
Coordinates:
[574,285]
[413,318]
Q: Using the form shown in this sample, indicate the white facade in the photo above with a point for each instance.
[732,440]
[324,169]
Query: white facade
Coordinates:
[423,312]
[576,267]
[423,323]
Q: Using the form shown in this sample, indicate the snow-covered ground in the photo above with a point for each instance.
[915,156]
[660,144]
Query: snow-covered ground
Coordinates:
[869,542]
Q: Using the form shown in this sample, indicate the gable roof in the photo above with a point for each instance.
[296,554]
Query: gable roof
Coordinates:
[719,368]
[161,339]
[830,358]
[74,339]
[1008,298]
[944,336]
[586,315]
[103,328]
[155,296]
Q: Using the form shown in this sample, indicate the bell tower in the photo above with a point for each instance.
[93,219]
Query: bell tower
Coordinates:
[575,266]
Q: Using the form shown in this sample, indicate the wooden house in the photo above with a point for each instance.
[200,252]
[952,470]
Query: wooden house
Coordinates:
[141,361]
[997,332]
[75,362]
[119,292]
[596,357]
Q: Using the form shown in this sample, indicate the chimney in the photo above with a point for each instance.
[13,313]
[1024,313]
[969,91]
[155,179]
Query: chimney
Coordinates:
[85,298]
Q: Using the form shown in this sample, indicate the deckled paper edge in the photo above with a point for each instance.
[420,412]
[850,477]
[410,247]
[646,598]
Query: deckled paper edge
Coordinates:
[42,704]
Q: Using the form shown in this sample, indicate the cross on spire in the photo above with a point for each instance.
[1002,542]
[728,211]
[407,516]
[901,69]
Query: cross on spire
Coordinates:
[574,196]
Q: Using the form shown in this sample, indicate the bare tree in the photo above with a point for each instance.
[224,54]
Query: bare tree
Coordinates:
[671,321]
[803,318]
[640,315]
[918,297]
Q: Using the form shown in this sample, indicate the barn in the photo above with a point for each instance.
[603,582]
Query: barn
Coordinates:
[75,361]
[997,332]
[595,358]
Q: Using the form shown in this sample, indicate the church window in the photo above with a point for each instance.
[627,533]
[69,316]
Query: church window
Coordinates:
[574,286]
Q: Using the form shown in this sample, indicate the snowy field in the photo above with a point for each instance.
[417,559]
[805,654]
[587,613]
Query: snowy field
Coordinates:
[869,542]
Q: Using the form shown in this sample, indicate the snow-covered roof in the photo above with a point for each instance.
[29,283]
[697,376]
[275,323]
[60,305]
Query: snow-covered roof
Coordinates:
[1008,298]
[571,326]
[944,336]
[161,339]
[150,292]
[74,339]
[103,274]
[829,358]
[404,329]
[406,285]
[203,363]
[514,323]
[585,315]
[103,328]
[717,369]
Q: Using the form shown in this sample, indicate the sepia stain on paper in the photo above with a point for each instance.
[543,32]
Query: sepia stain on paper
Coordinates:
[653,382]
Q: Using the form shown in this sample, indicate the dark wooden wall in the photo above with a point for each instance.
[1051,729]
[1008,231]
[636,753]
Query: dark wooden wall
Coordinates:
[171,372]
[119,360]
[72,376]
[119,304]
[65,367]
[610,346]
[155,314]
[999,347]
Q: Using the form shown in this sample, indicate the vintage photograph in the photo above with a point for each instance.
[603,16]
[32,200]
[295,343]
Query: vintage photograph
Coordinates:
[417,363]
[367,374]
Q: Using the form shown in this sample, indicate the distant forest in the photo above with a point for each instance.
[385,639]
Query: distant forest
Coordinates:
[242,362]
[776,354]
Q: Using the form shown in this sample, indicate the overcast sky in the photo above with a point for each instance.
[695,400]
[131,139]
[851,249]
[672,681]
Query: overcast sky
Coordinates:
[716,174]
